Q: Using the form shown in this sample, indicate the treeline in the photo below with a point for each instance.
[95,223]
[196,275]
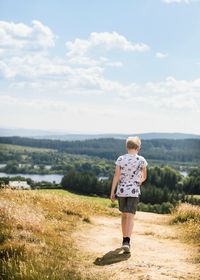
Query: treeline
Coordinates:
[85,183]
[164,187]
[184,150]
[191,184]
[160,186]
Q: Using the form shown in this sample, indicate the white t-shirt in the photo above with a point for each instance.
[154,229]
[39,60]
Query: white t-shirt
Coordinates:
[131,167]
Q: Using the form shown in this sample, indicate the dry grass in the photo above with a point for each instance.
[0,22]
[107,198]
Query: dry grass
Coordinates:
[35,234]
[186,212]
[188,217]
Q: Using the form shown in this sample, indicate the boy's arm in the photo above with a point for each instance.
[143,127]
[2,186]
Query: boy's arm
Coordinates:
[115,181]
[144,174]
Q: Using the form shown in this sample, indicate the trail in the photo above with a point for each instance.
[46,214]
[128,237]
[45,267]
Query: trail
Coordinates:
[156,253]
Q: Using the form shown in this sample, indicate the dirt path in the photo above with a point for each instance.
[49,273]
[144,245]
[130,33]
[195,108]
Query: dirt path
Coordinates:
[156,253]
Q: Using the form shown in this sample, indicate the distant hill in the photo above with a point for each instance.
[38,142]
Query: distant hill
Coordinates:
[24,132]
[179,150]
[59,135]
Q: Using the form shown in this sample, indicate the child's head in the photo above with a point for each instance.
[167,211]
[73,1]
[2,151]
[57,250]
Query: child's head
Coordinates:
[133,143]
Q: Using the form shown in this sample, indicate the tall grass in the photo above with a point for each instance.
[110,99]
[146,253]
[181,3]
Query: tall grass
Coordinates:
[36,234]
[186,212]
[189,217]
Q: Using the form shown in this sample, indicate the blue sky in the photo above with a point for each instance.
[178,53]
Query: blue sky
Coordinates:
[100,66]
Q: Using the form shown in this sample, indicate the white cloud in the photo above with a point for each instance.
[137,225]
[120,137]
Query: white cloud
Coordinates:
[106,41]
[177,1]
[80,74]
[39,73]
[57,105]
[114,64]
[88,61]
[19,36]
[32,66]
[169,93]
[161,55]
[171,85]
[84,81]
[174,94]
[82,52]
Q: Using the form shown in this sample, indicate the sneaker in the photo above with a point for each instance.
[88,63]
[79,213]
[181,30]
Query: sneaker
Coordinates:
[126,247]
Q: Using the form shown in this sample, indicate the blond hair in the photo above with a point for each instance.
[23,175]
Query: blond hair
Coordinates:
[133,142]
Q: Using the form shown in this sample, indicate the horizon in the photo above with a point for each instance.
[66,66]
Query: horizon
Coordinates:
[62,132]
[100,67]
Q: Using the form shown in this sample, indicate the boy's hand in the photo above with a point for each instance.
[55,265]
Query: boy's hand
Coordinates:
[112,197]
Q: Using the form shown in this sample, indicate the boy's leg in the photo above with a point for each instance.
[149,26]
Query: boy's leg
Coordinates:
[129,224]
[122,207]
[131,210]
[124,223]
[125,206]
[128,207]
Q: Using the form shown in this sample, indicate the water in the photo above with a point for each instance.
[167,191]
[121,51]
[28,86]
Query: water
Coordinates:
[37,177]
[46,166]
[102,178]
[184,173]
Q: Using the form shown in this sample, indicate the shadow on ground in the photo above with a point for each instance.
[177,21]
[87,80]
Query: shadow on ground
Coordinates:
[118,255]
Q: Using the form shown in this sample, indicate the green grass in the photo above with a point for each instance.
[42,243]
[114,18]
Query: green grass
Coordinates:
[24,148]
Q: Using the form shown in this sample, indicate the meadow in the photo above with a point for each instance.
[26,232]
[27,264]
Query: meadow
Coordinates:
[35,233]
[37,226]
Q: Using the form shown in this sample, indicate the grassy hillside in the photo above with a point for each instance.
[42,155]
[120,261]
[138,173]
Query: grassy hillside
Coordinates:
[36,234]
[104,202]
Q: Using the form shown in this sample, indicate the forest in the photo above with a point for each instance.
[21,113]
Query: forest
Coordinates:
[182,150]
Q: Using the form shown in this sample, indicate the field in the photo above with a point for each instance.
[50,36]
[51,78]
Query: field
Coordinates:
[24,148]
[94,199]
[36,228]
[54,234]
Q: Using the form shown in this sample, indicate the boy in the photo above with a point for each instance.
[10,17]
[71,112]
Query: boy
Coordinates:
[130,173]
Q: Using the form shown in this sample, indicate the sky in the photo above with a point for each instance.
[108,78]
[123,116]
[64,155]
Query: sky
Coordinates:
[100,66]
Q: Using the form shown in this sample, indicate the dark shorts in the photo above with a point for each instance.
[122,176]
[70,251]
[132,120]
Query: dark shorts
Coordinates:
[128,204]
